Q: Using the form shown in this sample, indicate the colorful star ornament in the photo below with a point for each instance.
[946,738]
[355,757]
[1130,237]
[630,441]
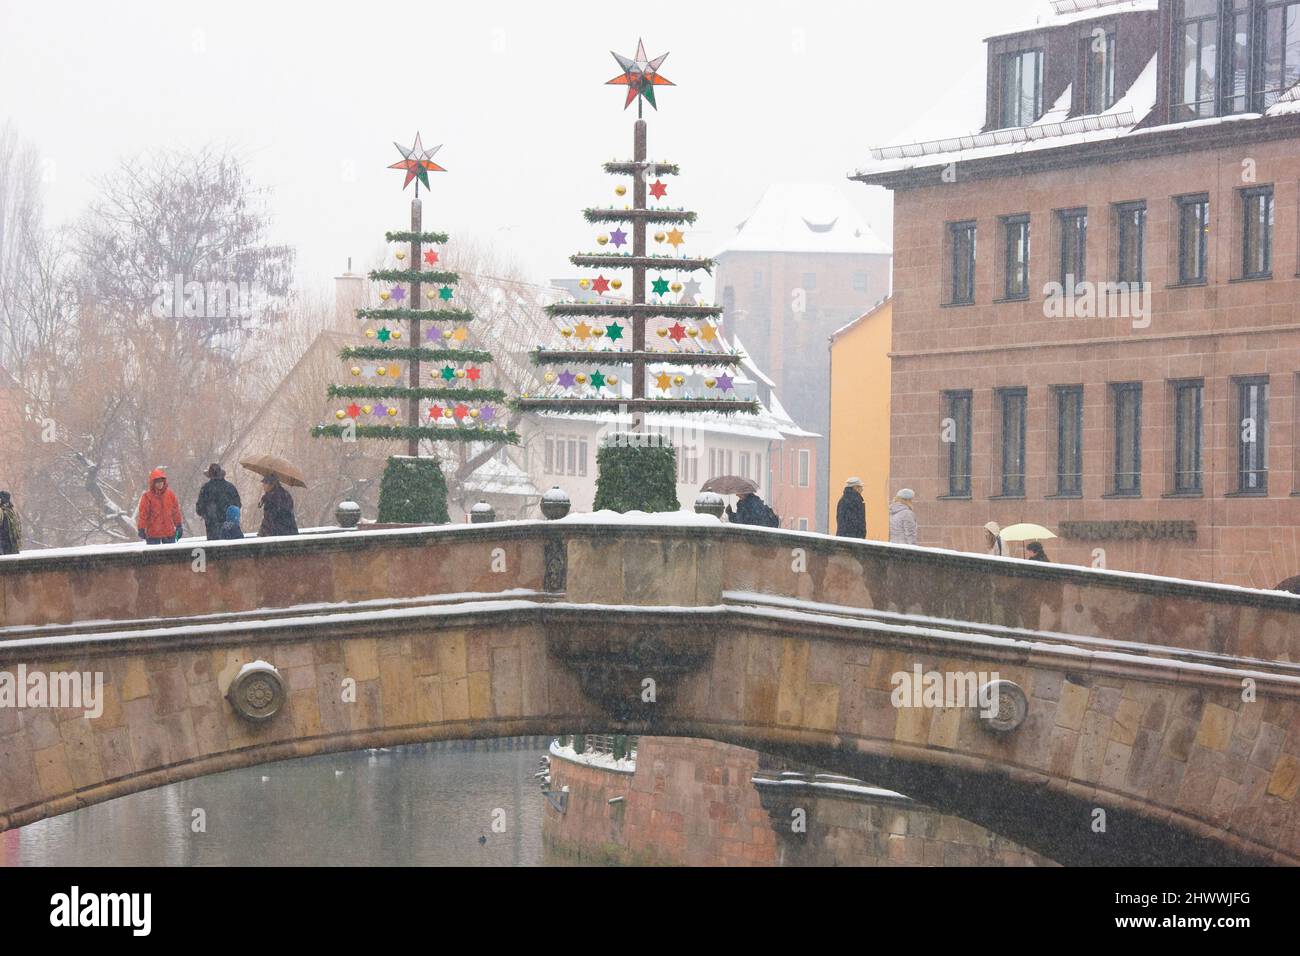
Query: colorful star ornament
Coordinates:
[660,285]
[618,237]
[431,257]
[600,286]
[614,332]
[418,162]
[725,382]
[640,75]
[658,190]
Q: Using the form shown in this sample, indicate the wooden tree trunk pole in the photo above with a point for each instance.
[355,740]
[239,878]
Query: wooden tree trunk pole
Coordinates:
[638,271]
[413,403]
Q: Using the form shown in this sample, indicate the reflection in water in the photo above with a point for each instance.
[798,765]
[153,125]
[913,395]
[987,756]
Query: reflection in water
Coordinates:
[407,806]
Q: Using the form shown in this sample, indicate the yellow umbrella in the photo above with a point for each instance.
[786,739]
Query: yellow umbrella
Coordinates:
[1026,532]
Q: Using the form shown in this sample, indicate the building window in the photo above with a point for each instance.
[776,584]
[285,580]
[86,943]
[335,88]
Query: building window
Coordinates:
[1074,246]
[1012,402]
[810,281]
[1280,62]
[1189,403]
[1016,232]
[1069,441]
[548,466]
[1131,229]
[859,282]
[1257,232]
[1099,73]
[1252,435]
[955,432]
[758,279]
[1022,87]
[803,524]
[1193,237]
[961,243]
[805,463]
[1196,46]
[1127,401]
[744,464]
[728,300]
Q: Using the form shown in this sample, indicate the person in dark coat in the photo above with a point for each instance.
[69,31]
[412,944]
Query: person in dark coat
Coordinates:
[277,509]
[216,495]
[1036,552]
[230,529]
[851,512]
[751,509]
[11,528]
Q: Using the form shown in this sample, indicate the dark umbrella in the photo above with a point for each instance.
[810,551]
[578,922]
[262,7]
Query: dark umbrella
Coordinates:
[730,485]
[270,465]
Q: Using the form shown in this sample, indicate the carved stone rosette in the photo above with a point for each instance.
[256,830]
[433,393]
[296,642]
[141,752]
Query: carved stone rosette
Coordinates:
[257,692]
[1012,709]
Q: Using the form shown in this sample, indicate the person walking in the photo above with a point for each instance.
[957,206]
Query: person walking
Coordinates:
[230,529]
[158,517]
[11,528]
[277,509]
[751,509]
[851,512]
[1036,552]
[993,538]
[902,520]
[216,495]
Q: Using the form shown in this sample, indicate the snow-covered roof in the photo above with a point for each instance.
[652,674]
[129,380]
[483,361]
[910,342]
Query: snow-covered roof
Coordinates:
[1051,131]
[1059,13]
[804,217]
[497,477]
[862,318]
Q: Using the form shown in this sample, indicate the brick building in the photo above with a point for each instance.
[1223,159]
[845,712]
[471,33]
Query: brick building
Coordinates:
[800,266]
[1096,319]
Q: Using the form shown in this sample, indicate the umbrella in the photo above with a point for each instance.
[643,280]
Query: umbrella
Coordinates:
[1026,532]
[730,485]
[270,465]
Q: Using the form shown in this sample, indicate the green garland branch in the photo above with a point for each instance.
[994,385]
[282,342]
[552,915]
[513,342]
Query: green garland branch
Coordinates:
[635,169]
[667,406]
[436,238]
[624,310]
[414,275]
[650,262]
[611,357]
[424,315]
[410,354]
[407,432]
[672,216]
[406,391]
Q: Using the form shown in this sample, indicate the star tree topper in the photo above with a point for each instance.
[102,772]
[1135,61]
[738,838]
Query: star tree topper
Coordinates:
[640,75]
[418,163]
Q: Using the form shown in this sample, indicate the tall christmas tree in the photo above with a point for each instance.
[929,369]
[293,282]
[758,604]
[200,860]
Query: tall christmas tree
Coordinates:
[454,403]
[689,369]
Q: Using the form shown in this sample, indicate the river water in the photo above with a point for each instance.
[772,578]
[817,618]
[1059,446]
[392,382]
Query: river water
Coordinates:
[409,806]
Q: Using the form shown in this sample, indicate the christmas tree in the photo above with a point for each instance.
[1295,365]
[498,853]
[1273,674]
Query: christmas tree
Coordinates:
[454,404]
[689,368]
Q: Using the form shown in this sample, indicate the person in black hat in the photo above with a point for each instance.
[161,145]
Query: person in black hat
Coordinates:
[11,528]
[215,497]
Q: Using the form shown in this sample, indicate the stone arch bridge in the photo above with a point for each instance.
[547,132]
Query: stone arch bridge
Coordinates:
[1151,721]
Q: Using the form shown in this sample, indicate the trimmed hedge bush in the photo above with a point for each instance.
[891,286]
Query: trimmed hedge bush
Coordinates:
[413,491]
[634,476]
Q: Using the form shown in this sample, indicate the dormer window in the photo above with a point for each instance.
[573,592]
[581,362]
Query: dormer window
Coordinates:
[1233,56]
[1099,72]
[1022,87]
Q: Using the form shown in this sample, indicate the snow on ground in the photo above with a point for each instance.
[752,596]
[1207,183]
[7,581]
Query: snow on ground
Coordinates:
[603,761]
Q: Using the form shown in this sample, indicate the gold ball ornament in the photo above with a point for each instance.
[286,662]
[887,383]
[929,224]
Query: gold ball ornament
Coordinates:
[611,379]
[567,333]
[660,237]
[384,296]
[679,380]
[692,331]
[340,414]
[431,295]
[381,370]
[397,333]
[400,256]
[392,412]
[367,408]
[710,382]
[548,378]
[584,283]
[370,333]
[447,413]
[676,287]
[597,332]
[460,373]
[355,370]
[473,413]
[620,190]
[661,332]
[580,378]
[616,283]
[602,240]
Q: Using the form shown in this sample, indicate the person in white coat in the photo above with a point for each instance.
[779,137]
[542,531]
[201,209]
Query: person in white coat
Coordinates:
[902,520]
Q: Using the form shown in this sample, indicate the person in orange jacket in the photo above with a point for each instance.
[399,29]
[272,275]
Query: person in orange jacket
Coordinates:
[159,516]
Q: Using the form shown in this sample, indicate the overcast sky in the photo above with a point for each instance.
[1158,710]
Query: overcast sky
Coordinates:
[313,95]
